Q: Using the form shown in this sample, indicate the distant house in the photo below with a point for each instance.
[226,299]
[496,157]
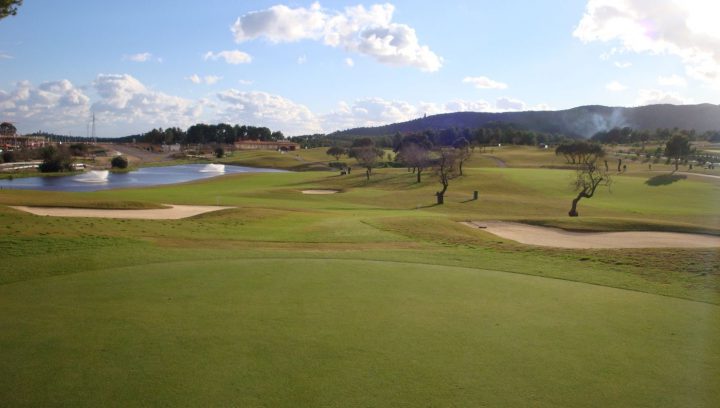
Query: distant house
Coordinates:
[283,145]
[171,148]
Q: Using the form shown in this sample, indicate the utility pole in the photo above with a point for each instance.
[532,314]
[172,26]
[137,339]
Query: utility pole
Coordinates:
[93,128]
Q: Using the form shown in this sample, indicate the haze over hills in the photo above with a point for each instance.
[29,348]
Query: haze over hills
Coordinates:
[583,121]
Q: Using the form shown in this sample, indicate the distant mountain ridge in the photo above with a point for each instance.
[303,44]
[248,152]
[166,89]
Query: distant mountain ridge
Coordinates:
[583,121]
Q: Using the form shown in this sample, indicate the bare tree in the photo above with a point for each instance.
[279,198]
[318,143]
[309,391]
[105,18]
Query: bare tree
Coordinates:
[463,149]
[446,169]
[589,176]
[415,157]
[366,154]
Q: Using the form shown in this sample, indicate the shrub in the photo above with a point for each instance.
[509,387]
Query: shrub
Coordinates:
[219,152]
[119,162]
[8,157]
[55,160]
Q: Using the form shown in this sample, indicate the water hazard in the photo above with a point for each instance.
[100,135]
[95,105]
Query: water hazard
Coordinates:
[148,176]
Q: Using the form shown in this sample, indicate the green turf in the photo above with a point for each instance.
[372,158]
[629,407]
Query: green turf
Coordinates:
[289,332]
[370,297]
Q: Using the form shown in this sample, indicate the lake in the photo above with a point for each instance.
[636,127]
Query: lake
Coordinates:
[144,177]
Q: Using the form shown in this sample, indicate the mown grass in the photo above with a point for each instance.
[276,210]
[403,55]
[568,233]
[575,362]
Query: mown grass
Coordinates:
[298,332]
[370,297]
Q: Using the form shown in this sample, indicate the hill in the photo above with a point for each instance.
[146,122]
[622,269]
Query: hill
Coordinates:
[583,121]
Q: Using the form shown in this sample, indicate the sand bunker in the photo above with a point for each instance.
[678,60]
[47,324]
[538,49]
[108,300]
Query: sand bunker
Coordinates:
[175,212]
[556,237]
[320,191]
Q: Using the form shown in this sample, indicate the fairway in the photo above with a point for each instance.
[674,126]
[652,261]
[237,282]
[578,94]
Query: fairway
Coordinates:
[289,332]
[372,296]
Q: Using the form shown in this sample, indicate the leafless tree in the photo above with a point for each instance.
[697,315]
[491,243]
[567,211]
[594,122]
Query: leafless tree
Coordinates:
[446,169]
[415,157]
[367,157]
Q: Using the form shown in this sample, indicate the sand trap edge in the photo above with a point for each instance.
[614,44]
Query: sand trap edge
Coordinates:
[175,212]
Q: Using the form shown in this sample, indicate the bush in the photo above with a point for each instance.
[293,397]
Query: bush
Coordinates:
[219,152]
[55,160]
[8,157]
[119,162]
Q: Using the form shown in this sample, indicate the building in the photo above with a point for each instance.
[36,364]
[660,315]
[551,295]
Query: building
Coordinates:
[267,145]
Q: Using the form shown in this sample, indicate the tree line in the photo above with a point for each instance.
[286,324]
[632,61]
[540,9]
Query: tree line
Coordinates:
[628,135]
[202,133]
[491,134]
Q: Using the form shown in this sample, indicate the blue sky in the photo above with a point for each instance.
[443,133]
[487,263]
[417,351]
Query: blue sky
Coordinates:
[304,67]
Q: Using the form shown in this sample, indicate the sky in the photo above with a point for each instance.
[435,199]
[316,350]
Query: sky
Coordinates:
[305,67]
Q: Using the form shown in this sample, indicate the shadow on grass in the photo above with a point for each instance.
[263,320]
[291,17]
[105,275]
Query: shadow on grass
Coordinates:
[426,206]
[664,179]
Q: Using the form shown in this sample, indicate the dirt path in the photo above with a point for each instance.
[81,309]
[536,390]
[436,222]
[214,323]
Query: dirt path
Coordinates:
[175,212]
[556,237]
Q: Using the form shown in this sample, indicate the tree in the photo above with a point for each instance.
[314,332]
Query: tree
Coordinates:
[463,149]
[677,148]
[336,152]
[119,162]
[55,160]
[7,128]
[9,7]
[366,154]
[579,151]
[446,169]
[219,152]
[416,157]
[589,175]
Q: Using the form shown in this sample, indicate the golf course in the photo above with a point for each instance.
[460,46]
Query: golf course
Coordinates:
[371,296]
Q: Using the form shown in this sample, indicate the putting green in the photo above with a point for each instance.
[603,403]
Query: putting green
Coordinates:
[324,332]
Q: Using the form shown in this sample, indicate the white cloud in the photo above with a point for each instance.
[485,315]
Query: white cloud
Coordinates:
[684,28]
[49,106]
[542,107]
[5,56]
[212,79]
[623,65]
[141,57]
[125,100]
[302,59]
[672,80]
[264,109]
[349,62]
[483,82]
[234,57]
[656,96]
[208,79]
[194,78]
[509,104]
[368,31]
[379,111]
[615,86]
[245,82]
